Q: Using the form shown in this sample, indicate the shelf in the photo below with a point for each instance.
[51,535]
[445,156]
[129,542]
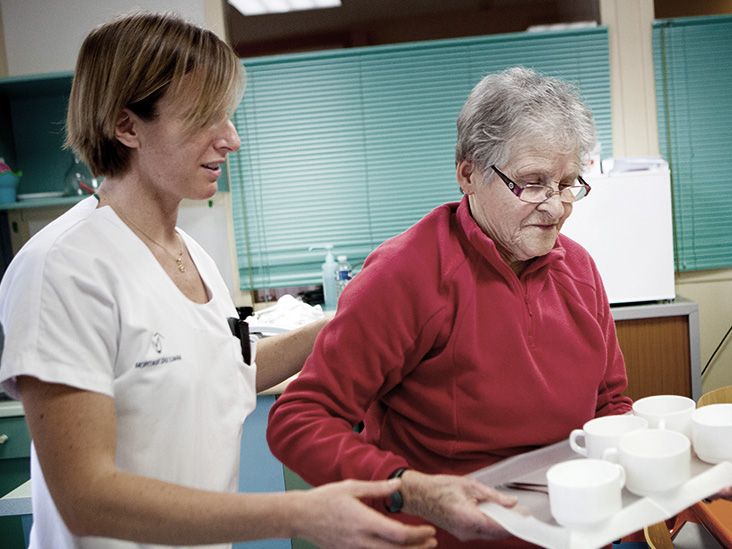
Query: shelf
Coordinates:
[36,85]
[32,130]
[32,120]
[41,203]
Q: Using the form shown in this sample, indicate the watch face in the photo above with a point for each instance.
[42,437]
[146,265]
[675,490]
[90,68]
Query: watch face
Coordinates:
[396,501]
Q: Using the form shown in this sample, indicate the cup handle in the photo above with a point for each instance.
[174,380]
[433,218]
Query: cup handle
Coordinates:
[662,423]
[612,455]
[573,436]
[622,473]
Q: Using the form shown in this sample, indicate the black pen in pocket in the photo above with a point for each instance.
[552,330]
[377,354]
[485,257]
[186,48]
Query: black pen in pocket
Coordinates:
[240,329]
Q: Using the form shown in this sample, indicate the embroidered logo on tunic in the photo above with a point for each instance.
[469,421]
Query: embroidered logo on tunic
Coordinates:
[157,345]
[157,361]
[157,342]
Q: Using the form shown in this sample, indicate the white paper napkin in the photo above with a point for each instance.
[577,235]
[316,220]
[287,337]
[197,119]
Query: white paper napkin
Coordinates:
[540,528]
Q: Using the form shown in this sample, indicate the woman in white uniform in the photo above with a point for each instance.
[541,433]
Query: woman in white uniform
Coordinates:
[116,330]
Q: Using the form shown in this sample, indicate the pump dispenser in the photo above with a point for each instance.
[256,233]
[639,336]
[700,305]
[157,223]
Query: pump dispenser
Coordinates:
[329,268]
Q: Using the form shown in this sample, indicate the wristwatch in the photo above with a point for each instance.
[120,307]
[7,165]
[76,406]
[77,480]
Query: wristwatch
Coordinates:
[396,500]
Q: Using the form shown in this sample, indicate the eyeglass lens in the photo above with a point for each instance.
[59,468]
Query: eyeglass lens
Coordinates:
[540,193]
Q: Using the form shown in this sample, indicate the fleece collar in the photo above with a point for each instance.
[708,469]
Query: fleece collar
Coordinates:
[486,248]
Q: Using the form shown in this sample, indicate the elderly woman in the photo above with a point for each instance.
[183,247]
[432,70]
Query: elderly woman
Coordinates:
[479,333]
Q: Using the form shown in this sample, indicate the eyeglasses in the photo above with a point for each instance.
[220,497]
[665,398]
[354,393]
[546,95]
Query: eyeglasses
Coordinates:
[536,194]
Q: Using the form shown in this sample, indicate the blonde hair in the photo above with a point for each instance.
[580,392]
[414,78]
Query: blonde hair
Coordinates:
[132,62]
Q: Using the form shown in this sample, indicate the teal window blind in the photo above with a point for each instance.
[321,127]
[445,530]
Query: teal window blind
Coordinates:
[351,147]
[693,72]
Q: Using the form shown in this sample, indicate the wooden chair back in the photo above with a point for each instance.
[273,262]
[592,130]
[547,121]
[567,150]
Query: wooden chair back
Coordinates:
[658,536]
[723,395]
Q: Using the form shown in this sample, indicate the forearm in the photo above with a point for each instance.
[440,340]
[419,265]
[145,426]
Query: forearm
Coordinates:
[318,442]
[281,356]
[140,509]
[74,434]
[143,510]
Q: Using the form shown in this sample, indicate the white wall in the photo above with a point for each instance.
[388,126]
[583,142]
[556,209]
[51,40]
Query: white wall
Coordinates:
[712,290]
[632,82]
[3,58]
[45,35]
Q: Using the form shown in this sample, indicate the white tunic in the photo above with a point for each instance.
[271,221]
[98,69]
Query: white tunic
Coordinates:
[86,304]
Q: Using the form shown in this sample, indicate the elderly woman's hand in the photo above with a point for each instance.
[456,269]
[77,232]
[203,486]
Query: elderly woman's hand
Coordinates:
[451,502]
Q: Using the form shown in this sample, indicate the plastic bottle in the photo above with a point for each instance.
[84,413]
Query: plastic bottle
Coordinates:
[329,268]
[78,180]
[343,274]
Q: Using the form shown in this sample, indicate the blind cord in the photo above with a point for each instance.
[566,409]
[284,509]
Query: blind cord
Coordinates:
[715,351]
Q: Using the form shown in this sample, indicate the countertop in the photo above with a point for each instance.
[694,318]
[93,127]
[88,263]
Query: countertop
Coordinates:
[677,307]
[10,408]
[17,502]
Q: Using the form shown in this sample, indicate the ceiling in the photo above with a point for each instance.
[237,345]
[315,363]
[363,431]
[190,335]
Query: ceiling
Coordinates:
[372,22]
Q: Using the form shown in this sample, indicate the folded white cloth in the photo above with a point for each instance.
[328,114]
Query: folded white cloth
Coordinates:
[288,313]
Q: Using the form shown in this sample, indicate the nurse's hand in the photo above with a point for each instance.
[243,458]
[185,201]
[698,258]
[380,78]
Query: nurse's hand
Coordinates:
[451,502]
[333,517]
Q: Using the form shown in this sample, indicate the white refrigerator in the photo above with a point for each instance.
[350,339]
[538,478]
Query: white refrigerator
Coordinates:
[626,225]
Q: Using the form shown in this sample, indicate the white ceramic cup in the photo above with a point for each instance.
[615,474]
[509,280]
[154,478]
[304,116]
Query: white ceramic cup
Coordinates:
[666,412]
[655,460]
[711,432]
[599,434]
[584,492]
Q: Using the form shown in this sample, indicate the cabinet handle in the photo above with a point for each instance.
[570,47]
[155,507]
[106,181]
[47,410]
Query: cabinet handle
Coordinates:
[3,438]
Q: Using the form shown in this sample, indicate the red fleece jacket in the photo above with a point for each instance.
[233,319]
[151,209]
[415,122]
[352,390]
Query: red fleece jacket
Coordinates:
[452,361]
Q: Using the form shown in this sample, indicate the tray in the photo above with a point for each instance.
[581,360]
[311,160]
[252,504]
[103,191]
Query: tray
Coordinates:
[533,521]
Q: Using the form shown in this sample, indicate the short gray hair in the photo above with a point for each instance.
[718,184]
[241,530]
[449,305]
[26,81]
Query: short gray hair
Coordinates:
[519,105]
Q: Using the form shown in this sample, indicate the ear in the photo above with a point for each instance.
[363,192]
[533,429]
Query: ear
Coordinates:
[465,174]
[125,129]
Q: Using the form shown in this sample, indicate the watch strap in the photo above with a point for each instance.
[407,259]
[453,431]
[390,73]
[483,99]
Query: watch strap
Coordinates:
[396,500]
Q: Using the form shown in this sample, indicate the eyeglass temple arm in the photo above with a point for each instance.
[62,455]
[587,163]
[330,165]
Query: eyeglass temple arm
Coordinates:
[585,184]
[513,187]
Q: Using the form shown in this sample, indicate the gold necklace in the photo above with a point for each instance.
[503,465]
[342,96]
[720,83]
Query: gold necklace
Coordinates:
[178,259]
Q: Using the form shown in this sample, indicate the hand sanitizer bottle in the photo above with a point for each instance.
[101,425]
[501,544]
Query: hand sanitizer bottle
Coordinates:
[329,273]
